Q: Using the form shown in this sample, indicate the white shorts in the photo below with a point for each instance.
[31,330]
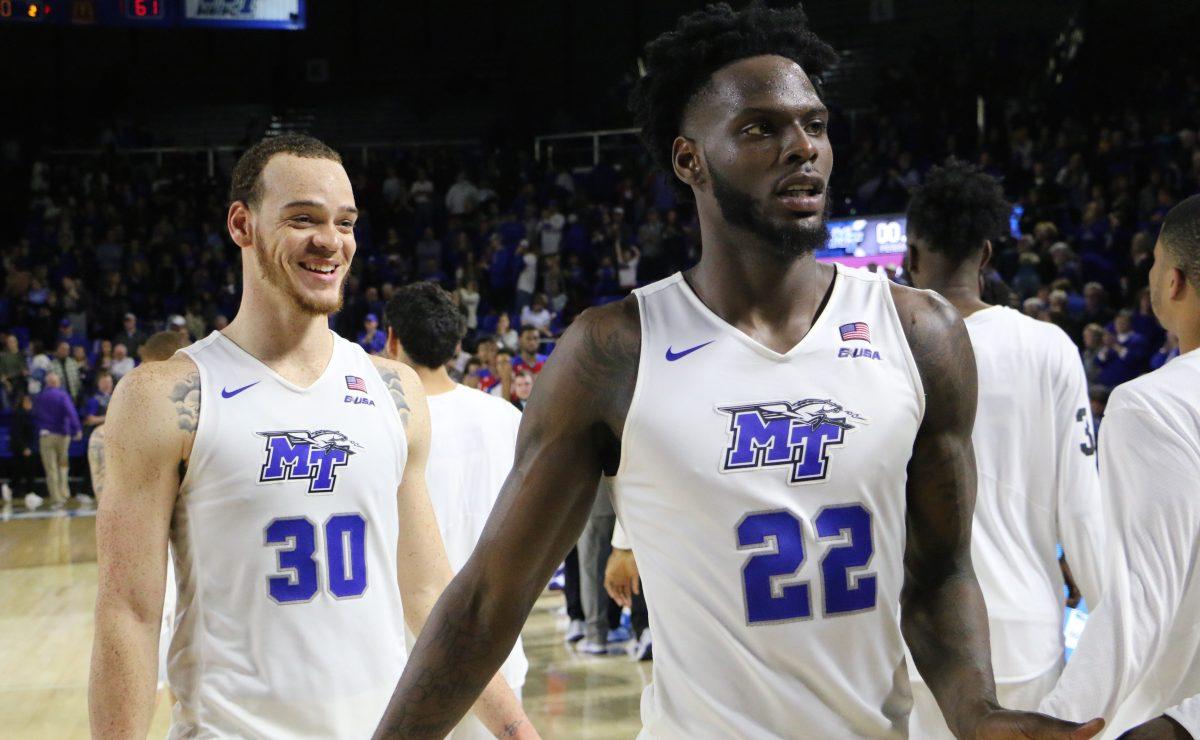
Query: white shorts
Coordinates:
[927,723]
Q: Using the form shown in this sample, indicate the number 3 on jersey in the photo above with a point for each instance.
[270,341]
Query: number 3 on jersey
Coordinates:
[846,588]
[345,554]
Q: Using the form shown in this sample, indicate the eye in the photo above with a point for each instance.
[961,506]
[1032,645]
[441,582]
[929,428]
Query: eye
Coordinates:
[302,219]
[759,128]
[815,128]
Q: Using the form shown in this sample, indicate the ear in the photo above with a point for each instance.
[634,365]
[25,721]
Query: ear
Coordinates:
[913,258]
[239,222]
[987,254]
[685,160]
[1177,285]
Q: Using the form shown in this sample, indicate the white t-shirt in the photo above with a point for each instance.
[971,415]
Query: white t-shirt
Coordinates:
[1140,653]
[540,319]
[527,280]
[1037,487]
[473,440]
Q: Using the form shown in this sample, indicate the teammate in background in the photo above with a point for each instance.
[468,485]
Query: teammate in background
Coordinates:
[473,437]
[1138,660]
[767,479]
[1034,449]
[287,468]
[624,585]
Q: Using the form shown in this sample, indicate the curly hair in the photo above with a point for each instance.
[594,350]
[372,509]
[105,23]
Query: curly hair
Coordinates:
[956,208]
[680,63]
[246,179]
[1180,237]
[427,323]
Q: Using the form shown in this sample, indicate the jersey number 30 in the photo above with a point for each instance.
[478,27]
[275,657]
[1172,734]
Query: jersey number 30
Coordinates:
[846,587]
[345,558]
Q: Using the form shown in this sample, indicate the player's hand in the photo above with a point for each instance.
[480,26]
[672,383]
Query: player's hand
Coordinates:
[1006,724]
[1159,728]
[621,578]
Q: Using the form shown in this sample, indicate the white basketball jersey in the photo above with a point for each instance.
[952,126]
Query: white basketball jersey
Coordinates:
[472,444]
[764,496]
[289,617]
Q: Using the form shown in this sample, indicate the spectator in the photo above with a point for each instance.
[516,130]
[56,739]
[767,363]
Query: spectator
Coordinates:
[527,261]
[422,192]
[86,374]
[57,424]
[177,323]
[22,434]
[627,259]
[528,359]
[503,371]
[97,406]
[538,315]
[130,335]
[471,373]
[68,371]
[372,339]
[1098,400]
[522,388]
[122,363]
[506,335]
[40,363]
[104,357]
[550,231]
[462,196]
[468,300]
[66,333]
[12,371]
[486,351]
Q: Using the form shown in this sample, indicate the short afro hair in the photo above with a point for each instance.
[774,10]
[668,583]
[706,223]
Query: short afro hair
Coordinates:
[427,323]
[680,63]
[957,208]
[246,179]
[1180,237]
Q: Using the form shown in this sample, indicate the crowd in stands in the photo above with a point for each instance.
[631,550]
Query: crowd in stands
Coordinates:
[114,246]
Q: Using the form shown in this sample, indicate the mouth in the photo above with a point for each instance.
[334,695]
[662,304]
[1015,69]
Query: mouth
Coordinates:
[802,193]
[322,270]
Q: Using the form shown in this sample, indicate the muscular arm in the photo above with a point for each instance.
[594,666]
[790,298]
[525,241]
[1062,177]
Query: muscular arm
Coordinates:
[944,619]
[152,417]
[580,397]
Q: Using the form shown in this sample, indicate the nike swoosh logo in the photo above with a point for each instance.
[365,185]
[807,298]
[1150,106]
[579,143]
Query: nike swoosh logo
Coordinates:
[232,393]
[673,356]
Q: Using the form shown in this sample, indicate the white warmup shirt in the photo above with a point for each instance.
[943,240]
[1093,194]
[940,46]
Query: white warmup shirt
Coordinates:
[764,497]
[1140,653]
[473,441]
[1037,487]
[289,621]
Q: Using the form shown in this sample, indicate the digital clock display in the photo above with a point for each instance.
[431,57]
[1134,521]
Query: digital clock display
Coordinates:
[27,10]
[143,9]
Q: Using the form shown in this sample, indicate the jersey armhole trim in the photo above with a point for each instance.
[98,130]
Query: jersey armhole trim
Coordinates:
[910,362]
[628,427]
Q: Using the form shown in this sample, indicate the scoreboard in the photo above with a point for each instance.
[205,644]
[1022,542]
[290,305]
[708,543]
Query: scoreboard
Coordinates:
[287,15]
[857,242]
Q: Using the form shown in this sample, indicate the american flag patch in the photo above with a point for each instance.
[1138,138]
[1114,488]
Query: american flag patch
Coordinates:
[857,330]
[355,383]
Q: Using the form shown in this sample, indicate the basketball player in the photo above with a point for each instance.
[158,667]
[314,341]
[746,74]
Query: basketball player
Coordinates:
[472,439]
[287,469]
[1035,455]
[1138,660]
[766,472]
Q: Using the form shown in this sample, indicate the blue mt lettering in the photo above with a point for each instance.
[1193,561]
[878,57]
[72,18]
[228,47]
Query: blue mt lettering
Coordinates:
[234,392]
[673,356]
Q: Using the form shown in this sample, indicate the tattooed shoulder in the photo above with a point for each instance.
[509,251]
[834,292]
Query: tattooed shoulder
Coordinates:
[395,387]
[186,397]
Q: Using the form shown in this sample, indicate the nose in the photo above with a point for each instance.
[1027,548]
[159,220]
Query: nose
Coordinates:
[328,238]
[798,145]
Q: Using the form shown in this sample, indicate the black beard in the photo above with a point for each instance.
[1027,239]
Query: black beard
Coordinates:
[741,210]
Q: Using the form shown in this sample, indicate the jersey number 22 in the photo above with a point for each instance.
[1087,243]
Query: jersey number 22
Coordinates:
[846,587]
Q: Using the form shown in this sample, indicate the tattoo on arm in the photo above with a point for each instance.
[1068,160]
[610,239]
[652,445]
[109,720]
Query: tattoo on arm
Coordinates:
[396,388]
[510,730]
[186,395]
